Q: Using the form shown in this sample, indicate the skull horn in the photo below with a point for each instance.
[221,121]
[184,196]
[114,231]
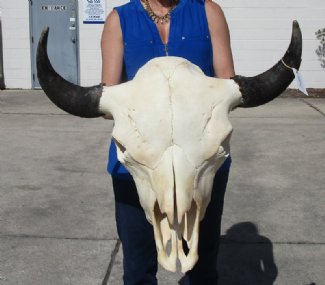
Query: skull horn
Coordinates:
[265,87]
[74,99]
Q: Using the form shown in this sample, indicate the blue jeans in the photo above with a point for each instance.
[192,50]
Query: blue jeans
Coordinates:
[136,235]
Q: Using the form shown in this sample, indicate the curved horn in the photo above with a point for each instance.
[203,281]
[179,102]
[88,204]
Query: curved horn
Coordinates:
[265,87]
[74,99]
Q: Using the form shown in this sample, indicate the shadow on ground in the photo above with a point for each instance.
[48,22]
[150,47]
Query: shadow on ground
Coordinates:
[246,257]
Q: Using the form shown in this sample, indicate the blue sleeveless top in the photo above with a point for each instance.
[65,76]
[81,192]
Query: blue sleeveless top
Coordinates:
[189,38]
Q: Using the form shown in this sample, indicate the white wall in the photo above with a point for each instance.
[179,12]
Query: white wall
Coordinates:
[90,54]
[261,29]
[260,32]
[16,43]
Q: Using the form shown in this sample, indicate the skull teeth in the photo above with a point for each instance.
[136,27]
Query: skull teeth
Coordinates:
[170,239]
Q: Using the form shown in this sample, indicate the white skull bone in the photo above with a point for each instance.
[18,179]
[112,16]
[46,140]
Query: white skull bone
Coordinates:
[172,133]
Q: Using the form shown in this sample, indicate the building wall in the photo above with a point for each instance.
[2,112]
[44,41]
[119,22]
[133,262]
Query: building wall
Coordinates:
[90,55]
[16,43]
[260,32]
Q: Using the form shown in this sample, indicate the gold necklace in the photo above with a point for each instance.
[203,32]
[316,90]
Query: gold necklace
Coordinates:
[156,18]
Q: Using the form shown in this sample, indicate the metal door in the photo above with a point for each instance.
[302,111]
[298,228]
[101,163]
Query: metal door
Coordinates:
[61,17]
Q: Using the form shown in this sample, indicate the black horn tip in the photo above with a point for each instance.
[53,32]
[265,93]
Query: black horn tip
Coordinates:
[45,32]
[42,45]
[292,57]
[44,66]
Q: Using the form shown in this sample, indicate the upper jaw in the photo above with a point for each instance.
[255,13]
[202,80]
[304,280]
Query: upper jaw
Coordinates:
[174,197]
[177,241]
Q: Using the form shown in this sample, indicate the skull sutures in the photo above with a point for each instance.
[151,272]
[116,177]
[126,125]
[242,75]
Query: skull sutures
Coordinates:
[172,133]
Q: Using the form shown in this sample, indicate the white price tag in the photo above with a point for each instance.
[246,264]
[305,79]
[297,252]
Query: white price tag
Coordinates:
[300,82]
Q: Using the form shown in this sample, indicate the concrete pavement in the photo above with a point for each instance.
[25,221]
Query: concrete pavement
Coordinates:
[56,202]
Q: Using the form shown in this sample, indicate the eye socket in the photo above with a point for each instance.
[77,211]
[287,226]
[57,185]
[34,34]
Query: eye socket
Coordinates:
[119,146]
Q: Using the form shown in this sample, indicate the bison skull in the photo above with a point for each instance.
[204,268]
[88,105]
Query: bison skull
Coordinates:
[172,133]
